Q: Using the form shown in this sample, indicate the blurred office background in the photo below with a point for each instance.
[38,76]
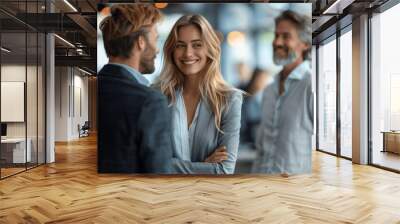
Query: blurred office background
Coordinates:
[248,31]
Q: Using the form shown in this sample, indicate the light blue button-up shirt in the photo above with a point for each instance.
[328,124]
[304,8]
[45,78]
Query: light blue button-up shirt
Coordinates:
[182,135]
[284,138]
[136,74]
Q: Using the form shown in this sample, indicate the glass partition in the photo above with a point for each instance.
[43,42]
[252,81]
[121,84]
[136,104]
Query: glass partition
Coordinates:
[22,88]
[14,153]
[31,101]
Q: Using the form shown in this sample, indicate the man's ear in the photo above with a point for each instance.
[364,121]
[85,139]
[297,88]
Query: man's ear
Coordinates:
[305,45]
[308,46]
[141,43]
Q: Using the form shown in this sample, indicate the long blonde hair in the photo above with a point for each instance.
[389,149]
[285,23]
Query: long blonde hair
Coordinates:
[213,87]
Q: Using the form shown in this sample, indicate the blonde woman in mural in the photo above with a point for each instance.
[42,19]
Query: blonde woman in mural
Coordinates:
[206,110]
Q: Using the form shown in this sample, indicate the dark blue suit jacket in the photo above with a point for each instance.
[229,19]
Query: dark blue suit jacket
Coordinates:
[133,125]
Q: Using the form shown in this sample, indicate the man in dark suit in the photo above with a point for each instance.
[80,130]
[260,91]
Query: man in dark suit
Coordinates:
[134,120]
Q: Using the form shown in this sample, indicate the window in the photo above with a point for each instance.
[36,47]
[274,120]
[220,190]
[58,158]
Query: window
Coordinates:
[346,94]
[385,89]
[327,97]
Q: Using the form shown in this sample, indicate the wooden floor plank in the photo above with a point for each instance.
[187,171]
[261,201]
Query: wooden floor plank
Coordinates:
[71,191]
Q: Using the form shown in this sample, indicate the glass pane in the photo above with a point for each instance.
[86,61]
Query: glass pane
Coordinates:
[22,101]
[327,97]
[32,87]
[31,96]
[314,84]
[386,89]
[13,86]
[346,94]
[41,99]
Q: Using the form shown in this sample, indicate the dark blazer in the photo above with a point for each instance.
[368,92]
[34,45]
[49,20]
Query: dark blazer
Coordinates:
[133,125]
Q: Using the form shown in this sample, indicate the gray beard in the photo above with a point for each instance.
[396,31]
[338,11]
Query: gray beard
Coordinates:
[285,61]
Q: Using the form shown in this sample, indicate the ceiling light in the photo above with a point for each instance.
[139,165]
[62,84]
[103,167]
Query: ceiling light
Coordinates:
[338,6]
[160,5]
[70,5]
[65,41]
[331,7]
[106,11]
[5,50]
[86,72]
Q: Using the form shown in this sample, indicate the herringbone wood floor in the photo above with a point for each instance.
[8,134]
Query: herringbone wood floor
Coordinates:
[71,191]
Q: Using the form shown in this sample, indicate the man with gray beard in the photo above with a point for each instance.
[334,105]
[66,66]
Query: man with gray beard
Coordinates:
[283,141]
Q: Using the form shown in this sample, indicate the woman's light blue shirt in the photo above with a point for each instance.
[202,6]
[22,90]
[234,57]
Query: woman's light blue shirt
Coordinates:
[183,136]
[194,145]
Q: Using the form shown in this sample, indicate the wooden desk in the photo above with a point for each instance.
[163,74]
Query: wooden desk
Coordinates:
[13,150]
[391,141]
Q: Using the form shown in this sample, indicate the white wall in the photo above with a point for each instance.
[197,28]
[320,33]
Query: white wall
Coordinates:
[61,103]
[12,73]
[70,94]
[33,126]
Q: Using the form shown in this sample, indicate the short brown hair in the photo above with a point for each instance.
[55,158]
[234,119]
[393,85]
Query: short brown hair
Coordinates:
[126,23]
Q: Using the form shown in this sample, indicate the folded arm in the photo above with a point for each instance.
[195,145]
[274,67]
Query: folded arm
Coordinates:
[230,125]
